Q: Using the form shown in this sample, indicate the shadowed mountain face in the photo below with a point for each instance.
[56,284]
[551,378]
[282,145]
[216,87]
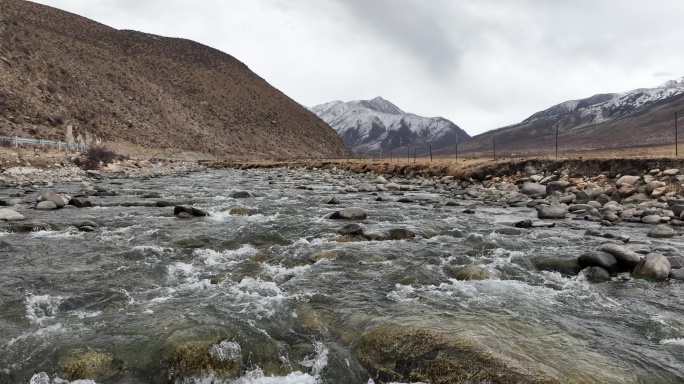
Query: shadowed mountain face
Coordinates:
[615,120]
[59,70]
[375,125]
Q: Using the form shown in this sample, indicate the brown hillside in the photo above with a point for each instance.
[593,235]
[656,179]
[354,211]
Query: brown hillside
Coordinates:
[58,70]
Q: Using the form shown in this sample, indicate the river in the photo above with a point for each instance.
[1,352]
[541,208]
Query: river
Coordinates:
[291,299]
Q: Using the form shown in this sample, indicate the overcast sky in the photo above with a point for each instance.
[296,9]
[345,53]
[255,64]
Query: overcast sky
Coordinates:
[483,64]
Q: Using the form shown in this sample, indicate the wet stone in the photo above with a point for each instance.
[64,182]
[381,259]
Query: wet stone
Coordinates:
[597,275]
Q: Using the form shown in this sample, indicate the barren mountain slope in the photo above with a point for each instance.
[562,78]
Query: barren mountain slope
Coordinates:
[58,69]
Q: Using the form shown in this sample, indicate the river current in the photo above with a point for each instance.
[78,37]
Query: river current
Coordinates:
[292,299]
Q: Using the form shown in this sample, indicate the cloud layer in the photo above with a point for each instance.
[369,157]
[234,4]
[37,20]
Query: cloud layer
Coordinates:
[482,64]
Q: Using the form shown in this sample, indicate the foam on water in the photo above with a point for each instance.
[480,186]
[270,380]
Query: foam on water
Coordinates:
[402,293]
[211,257]
[43,378]
[69,233]
[678,342]
[256,297]
[42,307]
[315,362]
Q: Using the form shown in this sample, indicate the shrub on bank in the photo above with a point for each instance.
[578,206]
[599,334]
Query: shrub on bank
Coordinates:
[96,156]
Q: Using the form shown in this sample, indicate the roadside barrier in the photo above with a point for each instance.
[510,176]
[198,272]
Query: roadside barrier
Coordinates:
[16,140]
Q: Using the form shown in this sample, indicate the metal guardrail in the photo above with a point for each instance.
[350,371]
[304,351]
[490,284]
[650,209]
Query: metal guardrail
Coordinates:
[15,140]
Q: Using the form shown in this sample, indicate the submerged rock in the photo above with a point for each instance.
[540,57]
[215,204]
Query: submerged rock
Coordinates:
[198,358]
[569,267]
[349,214]
[470,272]
[597,275]
[240,195]
[393,353]
[91,364]
[181,211]
[400,234]
[661,232]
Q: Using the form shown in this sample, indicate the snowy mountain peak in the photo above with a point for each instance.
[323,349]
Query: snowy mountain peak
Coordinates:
[378,124]
[673,83]
[611,106]
[381,105]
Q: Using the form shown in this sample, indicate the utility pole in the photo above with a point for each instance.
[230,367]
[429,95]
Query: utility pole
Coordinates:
[456,151]
[494,145]
[430,146]
[408,153]
[557,141]
[676,142]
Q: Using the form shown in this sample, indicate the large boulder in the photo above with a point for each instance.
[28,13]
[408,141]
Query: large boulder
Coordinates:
[400,234]
[393,353]
[626,258]
[8,214]
[349,214]
[533,189]
[654,267]
[598,259]
[60,199]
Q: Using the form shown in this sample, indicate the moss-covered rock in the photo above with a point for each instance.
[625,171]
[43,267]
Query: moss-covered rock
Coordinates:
[198,358]
[409,354]
[470,272]
[87,365]
[326,255]
[240,211]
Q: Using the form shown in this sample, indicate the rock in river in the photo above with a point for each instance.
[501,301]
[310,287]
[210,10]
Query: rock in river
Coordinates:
[553,211]
[393,353]
[60,199]
[349,214]
[627,259]
[598,259]
[181,210]
[10,215]
[46,205]
[597,275]
[655,267]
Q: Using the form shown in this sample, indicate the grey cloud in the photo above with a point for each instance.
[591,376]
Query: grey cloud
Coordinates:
[416,30]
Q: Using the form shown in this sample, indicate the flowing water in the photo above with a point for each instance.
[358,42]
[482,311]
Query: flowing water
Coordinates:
[291,301]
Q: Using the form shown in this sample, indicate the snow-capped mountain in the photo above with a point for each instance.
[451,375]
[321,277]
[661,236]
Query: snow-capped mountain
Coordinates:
[378,124]
[639,117]
[611,106]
